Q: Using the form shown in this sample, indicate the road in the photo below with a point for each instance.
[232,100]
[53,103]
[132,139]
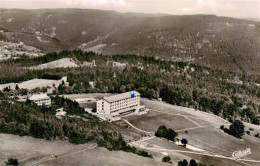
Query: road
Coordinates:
[135,143]
[147,132]
[242,161]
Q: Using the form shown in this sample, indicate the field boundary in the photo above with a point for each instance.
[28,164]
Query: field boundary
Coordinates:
[192,152]
[61,156]
[147,132]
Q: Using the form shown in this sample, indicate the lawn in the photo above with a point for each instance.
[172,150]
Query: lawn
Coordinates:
[214,140]
[28,149]
[172,109]
[101,156]
[152,120]
[209,138]
[164,146]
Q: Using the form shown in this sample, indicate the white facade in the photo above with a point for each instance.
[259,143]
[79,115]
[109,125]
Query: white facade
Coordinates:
[113,107]
[41,99]
[60,112]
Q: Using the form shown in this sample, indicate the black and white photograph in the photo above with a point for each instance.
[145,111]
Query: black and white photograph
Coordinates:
[129,82]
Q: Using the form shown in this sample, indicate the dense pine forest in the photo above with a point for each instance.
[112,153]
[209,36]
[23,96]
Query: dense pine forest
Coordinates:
[230,95]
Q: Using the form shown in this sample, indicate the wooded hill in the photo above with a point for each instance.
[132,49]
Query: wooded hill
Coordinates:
[217,42]
[226,94]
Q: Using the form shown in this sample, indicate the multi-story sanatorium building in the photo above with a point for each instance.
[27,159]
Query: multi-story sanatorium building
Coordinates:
[113,107]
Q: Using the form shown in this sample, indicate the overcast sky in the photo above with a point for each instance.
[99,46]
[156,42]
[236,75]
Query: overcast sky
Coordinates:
[232,8]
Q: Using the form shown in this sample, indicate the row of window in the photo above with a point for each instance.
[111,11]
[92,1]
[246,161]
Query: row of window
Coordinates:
[122,105]
[124,108]
[42,101]
[124,101]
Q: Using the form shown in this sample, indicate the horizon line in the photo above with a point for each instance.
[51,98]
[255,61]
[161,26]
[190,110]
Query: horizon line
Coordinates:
[163,14]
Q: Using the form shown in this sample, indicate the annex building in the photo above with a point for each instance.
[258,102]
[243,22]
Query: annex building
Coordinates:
[41,99]
[114,107]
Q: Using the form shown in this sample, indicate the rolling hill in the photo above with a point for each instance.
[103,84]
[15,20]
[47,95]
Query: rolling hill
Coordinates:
[218,42]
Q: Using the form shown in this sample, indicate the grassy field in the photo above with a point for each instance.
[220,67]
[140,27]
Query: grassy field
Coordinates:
[28,149]
[37,151]
[32,84]
[60,63]
[103,157]
[202,128]
[214,140]
[152,120]
[177,156]
[172,109]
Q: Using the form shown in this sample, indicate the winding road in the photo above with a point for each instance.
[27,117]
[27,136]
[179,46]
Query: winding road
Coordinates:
[135,143]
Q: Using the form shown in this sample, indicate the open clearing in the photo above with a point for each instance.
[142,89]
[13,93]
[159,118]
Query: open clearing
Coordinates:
[32,84]
[101,156]
[202,129]
[178,153]
[31,151]
[60,63]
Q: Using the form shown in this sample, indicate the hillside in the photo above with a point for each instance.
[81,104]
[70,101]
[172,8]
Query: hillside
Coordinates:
[67,153]
[214,147]
[218,42]
[64,62]
[226,94]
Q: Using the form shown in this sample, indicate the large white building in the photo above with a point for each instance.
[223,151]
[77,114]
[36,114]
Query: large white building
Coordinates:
[113,107]
[41,99]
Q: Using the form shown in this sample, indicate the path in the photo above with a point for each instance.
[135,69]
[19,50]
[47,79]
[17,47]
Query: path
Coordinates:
[192,152]
[135,143]
[179,114]
[193,128]
[147,132]
[61,156]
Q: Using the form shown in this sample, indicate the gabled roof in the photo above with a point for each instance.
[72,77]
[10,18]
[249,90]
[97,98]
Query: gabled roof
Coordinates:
[39,97]
[121,96]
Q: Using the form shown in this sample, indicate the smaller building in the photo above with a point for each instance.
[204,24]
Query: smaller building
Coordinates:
[41,99]
[60,113]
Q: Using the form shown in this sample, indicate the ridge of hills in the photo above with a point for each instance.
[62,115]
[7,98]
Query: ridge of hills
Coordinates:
[217,42]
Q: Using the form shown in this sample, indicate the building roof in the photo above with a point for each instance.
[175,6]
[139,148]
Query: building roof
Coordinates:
[121,96]
[39,97]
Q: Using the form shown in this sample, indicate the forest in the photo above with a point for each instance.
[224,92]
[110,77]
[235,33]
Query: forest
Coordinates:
[180,83]
[220,42]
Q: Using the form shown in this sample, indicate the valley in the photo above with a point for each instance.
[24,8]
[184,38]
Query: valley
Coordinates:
[202,39]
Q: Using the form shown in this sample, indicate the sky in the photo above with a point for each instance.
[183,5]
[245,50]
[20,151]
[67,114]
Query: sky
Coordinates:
[230,8]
